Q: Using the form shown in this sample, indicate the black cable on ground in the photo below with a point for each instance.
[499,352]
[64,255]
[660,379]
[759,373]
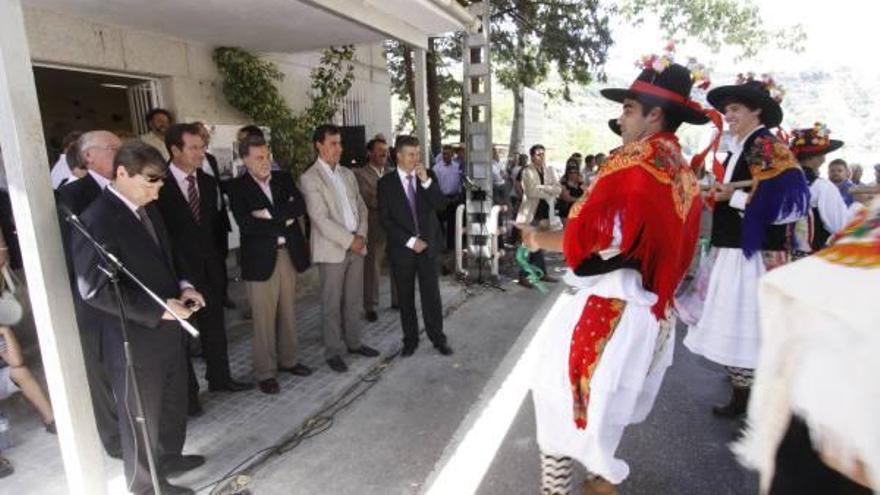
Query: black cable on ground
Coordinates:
[320,422]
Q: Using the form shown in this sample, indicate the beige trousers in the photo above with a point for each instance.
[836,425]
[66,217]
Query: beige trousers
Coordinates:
[272,305]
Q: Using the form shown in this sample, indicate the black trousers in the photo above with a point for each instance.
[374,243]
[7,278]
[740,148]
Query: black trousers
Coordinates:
[447,220]
[537,259]
[211,322]
[800,471]
[100,385]
[160,366]
[406,270]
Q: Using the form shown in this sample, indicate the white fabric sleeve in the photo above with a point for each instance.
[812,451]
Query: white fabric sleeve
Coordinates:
[427,183]
[411,243]
[738,200]
[617,237]
[832,208]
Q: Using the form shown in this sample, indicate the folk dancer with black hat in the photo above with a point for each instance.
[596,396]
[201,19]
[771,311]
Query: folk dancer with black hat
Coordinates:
[751,231]
[607,342]
[828,212]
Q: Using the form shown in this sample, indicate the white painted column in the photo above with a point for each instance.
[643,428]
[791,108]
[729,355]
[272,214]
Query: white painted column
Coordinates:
[421,103]
[27,171]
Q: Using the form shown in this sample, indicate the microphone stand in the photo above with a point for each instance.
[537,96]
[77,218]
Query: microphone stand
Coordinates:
[112,267]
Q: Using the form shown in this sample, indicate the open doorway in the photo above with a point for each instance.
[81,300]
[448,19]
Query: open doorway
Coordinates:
[78,100]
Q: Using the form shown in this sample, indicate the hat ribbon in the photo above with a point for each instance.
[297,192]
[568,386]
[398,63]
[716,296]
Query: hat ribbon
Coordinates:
[651,89]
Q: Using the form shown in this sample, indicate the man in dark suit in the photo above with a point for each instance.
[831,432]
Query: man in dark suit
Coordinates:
[409,201]
[97,150]
[210,167]
[266,205]
[123,220]
[190,209]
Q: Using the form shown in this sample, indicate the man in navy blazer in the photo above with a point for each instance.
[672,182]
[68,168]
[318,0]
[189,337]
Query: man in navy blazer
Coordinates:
[409,200]
[266,205]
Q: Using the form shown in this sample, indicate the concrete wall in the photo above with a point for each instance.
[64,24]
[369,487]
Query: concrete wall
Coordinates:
[189,81]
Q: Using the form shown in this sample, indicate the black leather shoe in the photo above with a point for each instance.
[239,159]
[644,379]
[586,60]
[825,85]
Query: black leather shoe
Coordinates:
[525,283]
[444,349]
[177,464]
[269,386]
[365,351]
[548,278]
[297,370]
[169,489]
[372,316]
[337,364]
[739,401]
[115,451]
[408,350]
[231,386]
[194,410]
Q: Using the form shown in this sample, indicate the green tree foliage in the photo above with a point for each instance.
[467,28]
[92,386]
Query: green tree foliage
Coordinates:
[250,86]
[531,38]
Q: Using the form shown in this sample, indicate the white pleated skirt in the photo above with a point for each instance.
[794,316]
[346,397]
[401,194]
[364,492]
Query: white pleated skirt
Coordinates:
[624,384]
[727,332]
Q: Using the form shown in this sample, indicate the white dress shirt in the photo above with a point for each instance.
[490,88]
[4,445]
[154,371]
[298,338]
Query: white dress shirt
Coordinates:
[349,215]
[102,181]
[61,171]
[739,198]
[411,242]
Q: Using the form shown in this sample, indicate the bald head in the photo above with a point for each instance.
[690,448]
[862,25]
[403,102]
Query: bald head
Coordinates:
[97,149]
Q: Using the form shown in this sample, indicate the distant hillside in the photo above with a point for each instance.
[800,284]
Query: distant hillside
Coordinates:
[841,100]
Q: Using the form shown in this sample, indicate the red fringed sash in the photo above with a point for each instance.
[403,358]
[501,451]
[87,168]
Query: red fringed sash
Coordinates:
[656,194]
[598,321]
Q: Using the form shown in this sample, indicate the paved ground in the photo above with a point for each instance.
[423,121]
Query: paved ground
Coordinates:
[680,450]
[387,426]
[234,426]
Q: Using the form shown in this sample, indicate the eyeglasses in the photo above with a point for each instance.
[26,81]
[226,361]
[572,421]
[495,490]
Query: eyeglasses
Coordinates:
[152,179]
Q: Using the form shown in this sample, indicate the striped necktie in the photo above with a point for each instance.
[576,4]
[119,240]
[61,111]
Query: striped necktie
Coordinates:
[193,195]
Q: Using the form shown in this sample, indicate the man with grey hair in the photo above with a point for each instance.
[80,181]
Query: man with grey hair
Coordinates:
[96,151]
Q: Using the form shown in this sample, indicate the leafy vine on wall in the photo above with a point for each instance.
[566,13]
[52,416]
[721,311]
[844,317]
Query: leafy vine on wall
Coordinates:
[250,84]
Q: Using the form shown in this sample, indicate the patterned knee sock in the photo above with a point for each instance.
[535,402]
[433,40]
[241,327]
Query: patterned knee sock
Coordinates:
[741,377]
[556,475]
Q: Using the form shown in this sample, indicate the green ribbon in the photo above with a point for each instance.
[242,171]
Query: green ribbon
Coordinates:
[533,273]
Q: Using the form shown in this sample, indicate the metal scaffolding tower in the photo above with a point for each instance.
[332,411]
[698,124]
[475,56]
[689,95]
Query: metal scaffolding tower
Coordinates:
[479,229]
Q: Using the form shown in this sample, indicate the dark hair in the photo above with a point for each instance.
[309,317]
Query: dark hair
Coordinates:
[156,111]
[571,164]
[744,102]
[671,123]
[324,130]
[405,140]
[448,147]
[522,160]
[589,158]
[174,135]
[599,156]
[135,155]
[251,130]
[252,141]
[73,156]
[373,142]
[70,138]
[534,149]
[577,154]
[838,161]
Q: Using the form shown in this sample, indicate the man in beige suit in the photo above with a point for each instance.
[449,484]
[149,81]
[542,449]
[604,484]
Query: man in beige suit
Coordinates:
[368,178]
[339,243]
[540,190]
